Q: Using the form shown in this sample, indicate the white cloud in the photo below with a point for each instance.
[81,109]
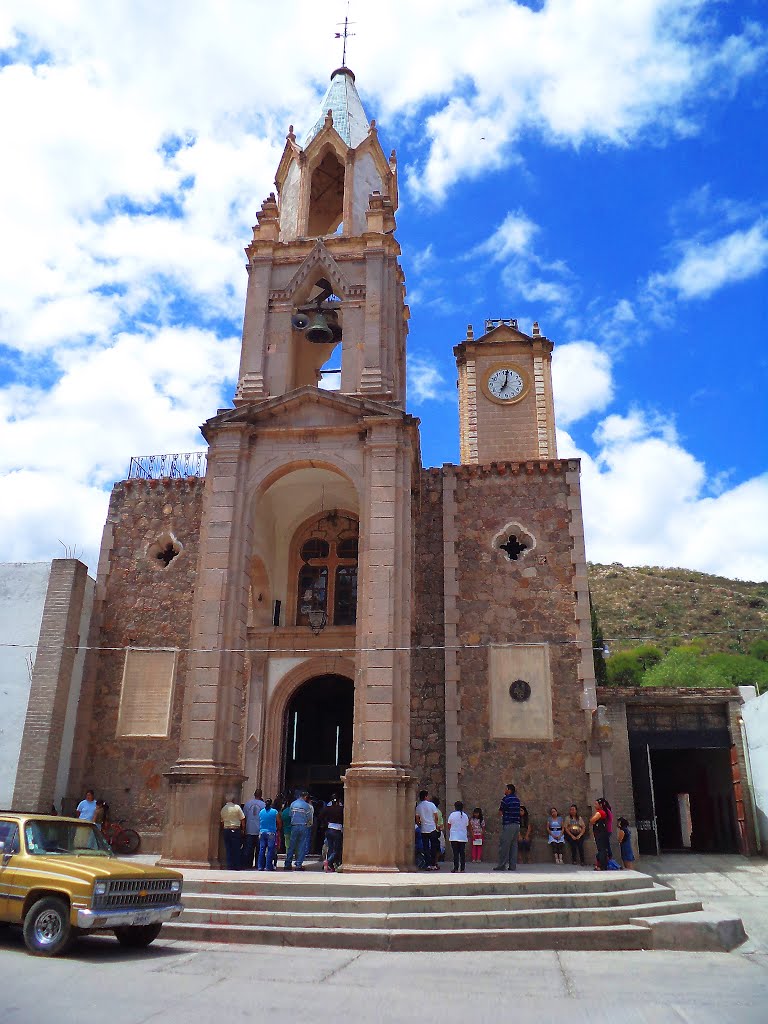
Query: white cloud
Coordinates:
[525,273]
[511,238]
[706,267]
[594,70]
[581,380]
[145,394]
[426,383]
[646,502]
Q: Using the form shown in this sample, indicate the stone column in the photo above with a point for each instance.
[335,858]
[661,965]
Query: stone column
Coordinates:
[250,384]
[208,767]
[378,788]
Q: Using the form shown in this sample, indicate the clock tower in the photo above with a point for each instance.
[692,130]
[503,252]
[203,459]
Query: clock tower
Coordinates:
[506,410]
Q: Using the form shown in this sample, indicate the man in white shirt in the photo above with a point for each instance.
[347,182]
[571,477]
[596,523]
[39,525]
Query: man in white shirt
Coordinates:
[86,809]
[426,819]
[458,824]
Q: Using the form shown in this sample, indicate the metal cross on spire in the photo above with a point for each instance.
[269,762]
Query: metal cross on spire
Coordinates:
[345,35]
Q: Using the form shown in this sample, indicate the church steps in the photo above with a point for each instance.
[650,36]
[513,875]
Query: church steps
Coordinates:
[452,920]
[540,910]
[416,886]
[463,902]
[623,936]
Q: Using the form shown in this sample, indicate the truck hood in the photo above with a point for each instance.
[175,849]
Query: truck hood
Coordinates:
[91,869]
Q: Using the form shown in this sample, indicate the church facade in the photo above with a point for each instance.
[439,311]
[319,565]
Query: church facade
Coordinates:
[316,609]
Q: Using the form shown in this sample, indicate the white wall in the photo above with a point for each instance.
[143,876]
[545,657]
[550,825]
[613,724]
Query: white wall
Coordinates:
[23,586]
[755,715]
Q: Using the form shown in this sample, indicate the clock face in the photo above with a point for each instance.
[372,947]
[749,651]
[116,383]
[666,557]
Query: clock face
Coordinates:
[506,384]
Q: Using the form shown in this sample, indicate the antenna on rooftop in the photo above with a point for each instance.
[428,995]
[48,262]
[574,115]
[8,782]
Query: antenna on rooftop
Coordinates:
[346,34]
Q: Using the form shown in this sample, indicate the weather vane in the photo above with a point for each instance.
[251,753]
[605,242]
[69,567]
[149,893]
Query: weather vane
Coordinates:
[345,35]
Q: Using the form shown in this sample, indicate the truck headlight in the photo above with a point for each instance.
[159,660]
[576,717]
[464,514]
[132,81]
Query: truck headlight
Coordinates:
[175,886]
[99,888]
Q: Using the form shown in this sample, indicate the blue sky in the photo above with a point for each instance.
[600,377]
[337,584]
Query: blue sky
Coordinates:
[596,166]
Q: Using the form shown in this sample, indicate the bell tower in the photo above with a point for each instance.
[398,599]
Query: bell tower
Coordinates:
[305,565]
[506,411]
[323,278]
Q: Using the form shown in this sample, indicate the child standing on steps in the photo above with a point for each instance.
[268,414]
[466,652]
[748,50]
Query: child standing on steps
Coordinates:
[477,833]
[625,844]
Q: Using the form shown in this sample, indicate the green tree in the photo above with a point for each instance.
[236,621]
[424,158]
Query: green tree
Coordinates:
[628,668]
[759,649]
[739,670]
[690,666]
[683,666]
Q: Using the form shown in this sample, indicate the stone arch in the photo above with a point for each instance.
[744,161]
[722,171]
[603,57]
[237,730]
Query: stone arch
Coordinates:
[277,468]
[277,705]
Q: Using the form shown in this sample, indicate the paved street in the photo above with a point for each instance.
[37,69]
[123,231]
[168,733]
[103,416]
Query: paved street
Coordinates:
[181,982]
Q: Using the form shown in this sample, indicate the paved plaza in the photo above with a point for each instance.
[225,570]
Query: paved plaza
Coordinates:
[181,982]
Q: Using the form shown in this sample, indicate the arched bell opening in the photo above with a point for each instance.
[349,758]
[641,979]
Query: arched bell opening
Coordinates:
[317,747]
[317,324]
[326,196]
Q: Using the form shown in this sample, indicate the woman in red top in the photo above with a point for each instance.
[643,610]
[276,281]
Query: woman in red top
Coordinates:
[602,822]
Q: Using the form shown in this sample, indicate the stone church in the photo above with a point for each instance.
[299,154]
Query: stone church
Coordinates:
[310,606]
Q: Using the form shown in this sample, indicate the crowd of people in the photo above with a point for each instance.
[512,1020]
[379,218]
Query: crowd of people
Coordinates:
[433,834]
[256,832]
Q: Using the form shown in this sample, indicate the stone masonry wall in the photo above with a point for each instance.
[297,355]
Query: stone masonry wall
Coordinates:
[530,600]
[427,666]
[140,603]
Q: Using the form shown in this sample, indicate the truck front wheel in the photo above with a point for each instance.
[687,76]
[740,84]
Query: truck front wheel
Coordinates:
[138,936]
[47,930]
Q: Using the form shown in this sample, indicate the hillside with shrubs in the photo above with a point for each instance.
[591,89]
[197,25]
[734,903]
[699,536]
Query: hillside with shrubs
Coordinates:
[676,627]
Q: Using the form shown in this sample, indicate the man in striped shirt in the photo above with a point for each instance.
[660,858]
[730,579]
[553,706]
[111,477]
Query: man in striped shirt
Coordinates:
[509,809]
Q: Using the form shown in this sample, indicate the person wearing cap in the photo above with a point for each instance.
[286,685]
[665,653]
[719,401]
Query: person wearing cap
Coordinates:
[302,815]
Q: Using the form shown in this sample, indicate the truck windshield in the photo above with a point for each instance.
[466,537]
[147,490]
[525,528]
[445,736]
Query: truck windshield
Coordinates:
[65,837]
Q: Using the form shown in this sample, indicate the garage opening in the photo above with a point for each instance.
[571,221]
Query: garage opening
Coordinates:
[682,779]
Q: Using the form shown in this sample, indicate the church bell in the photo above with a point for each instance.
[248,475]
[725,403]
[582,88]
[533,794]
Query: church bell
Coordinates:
[318,330]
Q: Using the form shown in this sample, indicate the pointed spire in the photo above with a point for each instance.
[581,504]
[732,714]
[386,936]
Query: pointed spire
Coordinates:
[346,108]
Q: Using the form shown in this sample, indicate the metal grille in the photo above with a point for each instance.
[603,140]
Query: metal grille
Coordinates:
[176,466]
[136,894]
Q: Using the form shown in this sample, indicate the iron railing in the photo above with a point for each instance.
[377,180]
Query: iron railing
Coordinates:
[176,466]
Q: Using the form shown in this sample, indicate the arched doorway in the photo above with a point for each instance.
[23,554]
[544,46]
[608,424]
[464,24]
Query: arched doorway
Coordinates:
[318,736]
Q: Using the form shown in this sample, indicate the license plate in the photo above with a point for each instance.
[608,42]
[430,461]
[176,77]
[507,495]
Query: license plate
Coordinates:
[140,919]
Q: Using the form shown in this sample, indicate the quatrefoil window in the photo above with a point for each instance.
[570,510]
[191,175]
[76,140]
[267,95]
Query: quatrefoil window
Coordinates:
[515,542]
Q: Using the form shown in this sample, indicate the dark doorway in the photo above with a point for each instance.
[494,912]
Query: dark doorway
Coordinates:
[682,783]
[700,779]
[318,736]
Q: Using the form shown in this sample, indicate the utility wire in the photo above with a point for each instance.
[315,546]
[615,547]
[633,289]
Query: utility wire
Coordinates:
[486,645]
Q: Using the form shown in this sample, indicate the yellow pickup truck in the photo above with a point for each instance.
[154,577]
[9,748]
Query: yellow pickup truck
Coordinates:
[59,878]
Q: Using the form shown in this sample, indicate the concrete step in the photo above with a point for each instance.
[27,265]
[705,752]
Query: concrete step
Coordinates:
[450,921]
[616,937]
[264,883]
[293,904]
